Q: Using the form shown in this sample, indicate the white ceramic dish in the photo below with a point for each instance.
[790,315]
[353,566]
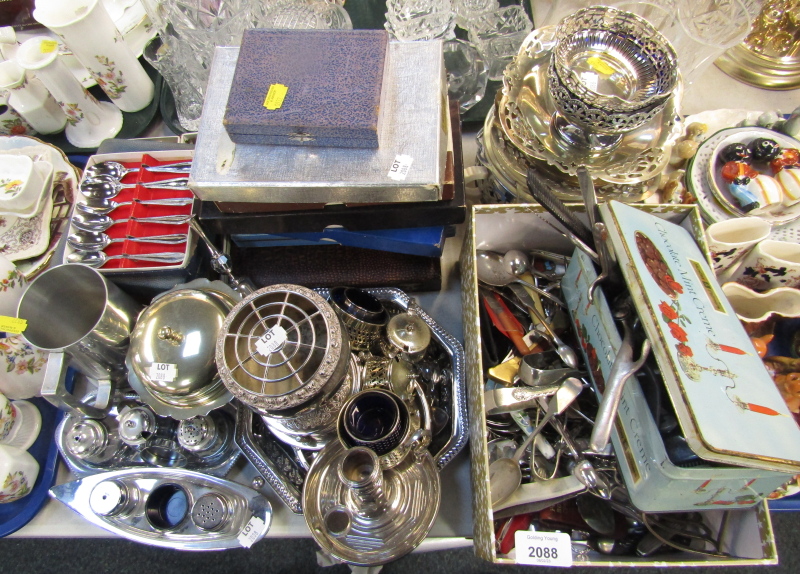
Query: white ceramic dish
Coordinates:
[23,183]
[754,307]
[697,181]
[30,252]
[38,193]
[26,237]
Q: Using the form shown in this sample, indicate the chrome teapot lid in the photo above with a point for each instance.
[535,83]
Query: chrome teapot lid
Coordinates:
[171,355]
[409,335]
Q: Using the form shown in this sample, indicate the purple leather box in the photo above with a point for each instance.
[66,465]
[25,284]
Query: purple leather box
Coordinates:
[333,82]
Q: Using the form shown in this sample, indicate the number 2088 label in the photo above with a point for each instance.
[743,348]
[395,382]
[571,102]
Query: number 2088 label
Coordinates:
[543,548]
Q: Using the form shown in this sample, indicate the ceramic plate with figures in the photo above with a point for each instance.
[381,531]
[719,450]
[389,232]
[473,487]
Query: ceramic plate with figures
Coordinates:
[776,213]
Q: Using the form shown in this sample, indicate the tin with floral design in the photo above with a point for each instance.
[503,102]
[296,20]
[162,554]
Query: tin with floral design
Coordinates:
[729,408]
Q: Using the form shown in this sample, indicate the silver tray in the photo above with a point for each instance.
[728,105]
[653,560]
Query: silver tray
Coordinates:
[130,457]
[526,109]
[286,472]
[510,166]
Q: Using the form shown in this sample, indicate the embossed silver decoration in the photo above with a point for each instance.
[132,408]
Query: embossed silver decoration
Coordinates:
[362,315]
[281,348]
[284,467]
[313,427]
[643,63]
[509,167]
[365,515]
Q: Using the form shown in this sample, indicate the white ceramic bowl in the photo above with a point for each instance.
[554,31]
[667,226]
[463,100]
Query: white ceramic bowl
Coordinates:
[22,184]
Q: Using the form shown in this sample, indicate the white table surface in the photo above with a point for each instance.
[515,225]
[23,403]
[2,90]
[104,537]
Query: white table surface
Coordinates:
[715,90]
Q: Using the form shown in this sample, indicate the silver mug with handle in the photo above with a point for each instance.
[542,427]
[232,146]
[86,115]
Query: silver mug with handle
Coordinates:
[84,320]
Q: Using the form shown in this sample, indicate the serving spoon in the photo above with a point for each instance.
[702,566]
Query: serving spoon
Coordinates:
[97,222]
[94,241]
[98,258]
[106,206]
[117,171]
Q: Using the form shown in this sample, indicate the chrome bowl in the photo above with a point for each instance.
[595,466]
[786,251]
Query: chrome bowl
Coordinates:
[614,61]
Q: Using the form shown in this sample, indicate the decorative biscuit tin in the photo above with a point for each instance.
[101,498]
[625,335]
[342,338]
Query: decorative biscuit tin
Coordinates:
[655,483]
[308,88]
[730,410]
[408,166]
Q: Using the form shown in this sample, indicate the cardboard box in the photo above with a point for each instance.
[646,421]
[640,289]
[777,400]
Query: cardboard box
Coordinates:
[500,228]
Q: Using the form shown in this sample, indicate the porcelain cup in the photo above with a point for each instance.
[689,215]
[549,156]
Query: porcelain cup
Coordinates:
[18,472]
[770,264]
[22,184]
[730,240]
[22,368]
[20,423]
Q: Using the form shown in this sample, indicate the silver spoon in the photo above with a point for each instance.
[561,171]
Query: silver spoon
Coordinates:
[98,258]
[505,475]
[517,262]
[106,206]
[534,377]
[565,352]
[117,171]
[98,222]
[107,187]
[492,271]
[94,241]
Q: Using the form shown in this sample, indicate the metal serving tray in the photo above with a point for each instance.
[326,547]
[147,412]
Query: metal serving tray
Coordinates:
[286,474]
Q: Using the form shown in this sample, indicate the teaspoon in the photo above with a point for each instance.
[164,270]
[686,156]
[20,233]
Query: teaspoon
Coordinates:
[505,475]
[93,241]
[106,206]
[98,258]
[116,170]
[107,187]
[517,262]
[98,222]
[492,271]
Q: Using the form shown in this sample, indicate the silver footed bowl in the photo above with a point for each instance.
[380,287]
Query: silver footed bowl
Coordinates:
[527,116]
[613,61]
[510,166]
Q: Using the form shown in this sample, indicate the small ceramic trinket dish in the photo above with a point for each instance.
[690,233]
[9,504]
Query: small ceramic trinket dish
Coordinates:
[22,184]
[754,307]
